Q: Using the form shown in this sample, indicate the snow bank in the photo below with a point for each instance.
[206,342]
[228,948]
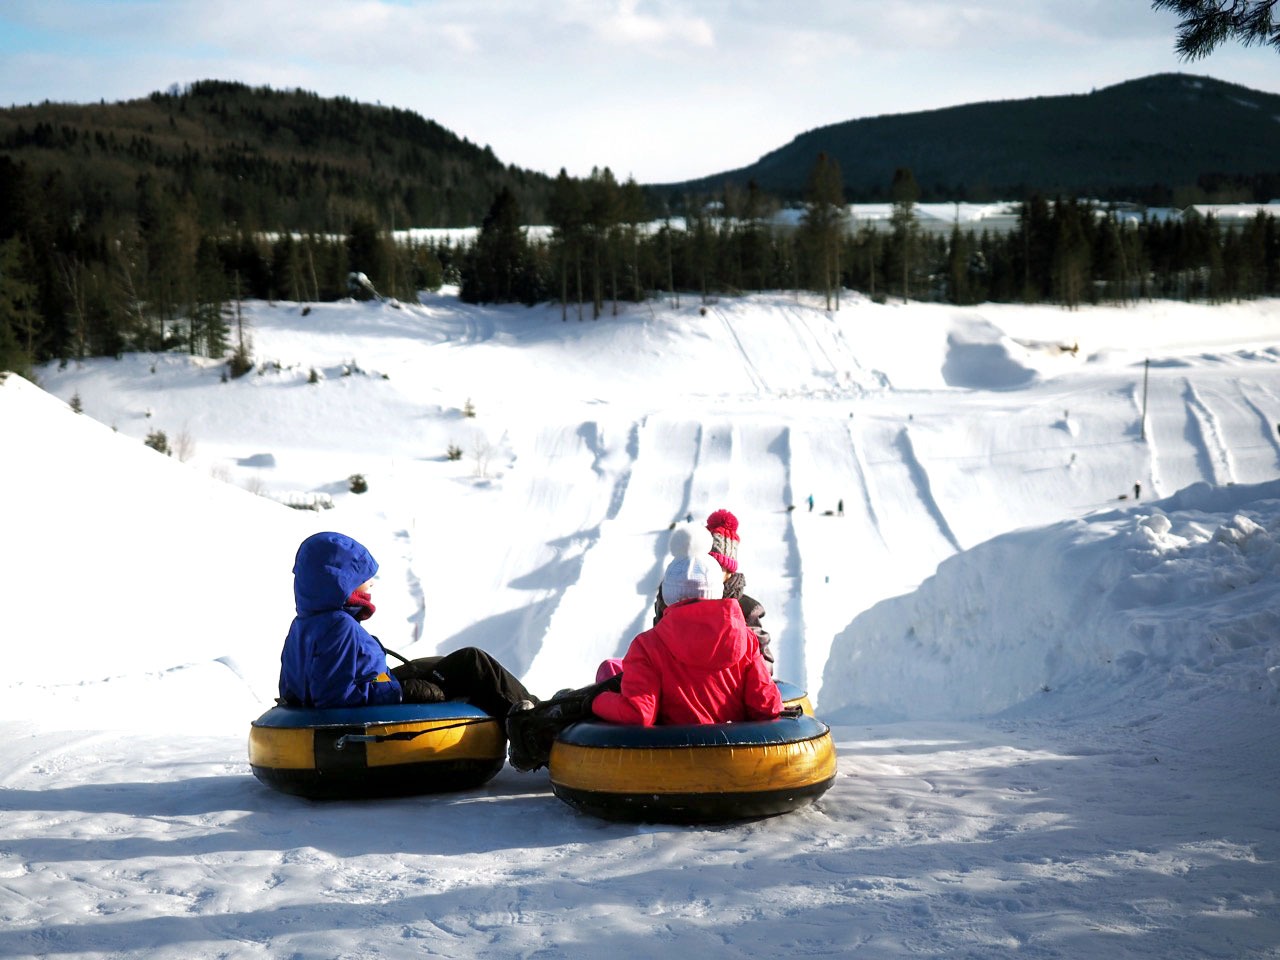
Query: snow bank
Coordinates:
[1078,613]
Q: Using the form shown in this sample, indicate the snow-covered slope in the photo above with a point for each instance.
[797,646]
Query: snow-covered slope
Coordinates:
[1054,705]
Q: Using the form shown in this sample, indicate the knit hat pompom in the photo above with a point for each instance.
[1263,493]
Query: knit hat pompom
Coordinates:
[723,527]
[723,520]
[688,540]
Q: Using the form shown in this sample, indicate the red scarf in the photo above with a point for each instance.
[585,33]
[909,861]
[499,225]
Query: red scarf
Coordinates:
[360,605]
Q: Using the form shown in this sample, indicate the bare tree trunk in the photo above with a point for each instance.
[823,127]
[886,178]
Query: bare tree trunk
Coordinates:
[71,273]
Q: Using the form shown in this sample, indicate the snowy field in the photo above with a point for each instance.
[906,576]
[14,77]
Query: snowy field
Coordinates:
[1055,704]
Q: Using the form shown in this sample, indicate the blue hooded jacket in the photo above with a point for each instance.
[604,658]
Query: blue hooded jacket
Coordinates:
[329,659]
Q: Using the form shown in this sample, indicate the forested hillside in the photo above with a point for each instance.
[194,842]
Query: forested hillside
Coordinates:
[144,225]
[1165,139]
[261,159]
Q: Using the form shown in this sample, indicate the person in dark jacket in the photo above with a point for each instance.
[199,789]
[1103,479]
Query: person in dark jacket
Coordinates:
[331,660]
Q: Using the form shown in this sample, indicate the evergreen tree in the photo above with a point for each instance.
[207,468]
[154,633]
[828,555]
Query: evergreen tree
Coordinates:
[601,219]
[566,213]
[904,191]
[1110,261]
[1070,270]
[368,253]
[19,319]
[632,213]
[1036,237]
[500,267]
[959,286]
[241,361]
[824,222]
[169,236]
[755,242]
[700,248]
[208,327]
[1207,23]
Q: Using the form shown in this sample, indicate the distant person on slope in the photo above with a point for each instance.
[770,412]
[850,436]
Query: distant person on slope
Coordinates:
[331,660]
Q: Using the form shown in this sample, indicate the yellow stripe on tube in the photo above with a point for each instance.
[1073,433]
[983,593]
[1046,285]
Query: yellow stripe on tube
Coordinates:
[741,768]
[470,741]
[282,748]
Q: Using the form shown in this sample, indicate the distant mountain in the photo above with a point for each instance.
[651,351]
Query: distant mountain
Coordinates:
[223,153]
[262,159]
[1161,138]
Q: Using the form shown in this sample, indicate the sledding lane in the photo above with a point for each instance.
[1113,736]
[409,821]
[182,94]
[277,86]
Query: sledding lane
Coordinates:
[1262,403]
[832,355]
[1204,435]
[624,555]
[1206,426]
[557,492]
[889,536]
[749,367]
[757,491]
[833,551]
[899,491]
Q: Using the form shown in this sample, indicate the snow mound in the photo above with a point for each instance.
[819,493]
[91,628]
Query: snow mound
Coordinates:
[981,357]
[140,542]
[1183,590]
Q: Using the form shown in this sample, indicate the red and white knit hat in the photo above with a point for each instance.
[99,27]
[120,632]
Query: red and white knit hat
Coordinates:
[724,539]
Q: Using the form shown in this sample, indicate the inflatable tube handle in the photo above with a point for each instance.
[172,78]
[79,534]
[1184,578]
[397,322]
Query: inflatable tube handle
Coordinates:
[346,738]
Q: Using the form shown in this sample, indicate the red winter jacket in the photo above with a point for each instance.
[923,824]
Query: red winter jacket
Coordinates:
[699,664]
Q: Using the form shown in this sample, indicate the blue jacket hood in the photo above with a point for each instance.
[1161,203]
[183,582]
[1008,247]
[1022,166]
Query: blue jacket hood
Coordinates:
[327,568]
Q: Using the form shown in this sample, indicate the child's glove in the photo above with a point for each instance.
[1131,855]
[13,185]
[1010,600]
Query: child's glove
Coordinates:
[421,691]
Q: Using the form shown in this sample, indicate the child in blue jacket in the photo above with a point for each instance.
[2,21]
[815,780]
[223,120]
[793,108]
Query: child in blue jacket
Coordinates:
[331,660]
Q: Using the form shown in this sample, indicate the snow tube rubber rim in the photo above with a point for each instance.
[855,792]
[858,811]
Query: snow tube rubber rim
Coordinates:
[704,773]
[377,751]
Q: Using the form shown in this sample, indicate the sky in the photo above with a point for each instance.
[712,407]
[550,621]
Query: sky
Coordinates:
[658,90]
[1053,705]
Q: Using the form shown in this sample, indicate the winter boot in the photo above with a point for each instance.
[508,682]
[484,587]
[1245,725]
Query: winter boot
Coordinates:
[575,705]
[528,739]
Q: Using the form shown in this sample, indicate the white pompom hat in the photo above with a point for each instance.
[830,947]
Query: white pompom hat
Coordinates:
[692,575]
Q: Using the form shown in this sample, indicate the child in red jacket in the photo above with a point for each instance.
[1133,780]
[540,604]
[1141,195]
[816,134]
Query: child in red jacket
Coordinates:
[700,663]
[723,527]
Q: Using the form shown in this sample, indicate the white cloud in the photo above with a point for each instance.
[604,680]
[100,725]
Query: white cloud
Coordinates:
[666,89]
[653,28]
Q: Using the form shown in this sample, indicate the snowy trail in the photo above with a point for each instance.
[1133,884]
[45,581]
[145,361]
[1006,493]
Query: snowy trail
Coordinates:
[1187,433]
[920,481]
[1263,404]
[716,467]
[1203,433]
[818,344]
[863,487]
[749,366]
[624,556]
[841,556]
[757,493]
[556,493]
[893,498]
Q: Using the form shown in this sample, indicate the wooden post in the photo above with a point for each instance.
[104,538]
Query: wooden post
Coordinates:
[1146,371]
